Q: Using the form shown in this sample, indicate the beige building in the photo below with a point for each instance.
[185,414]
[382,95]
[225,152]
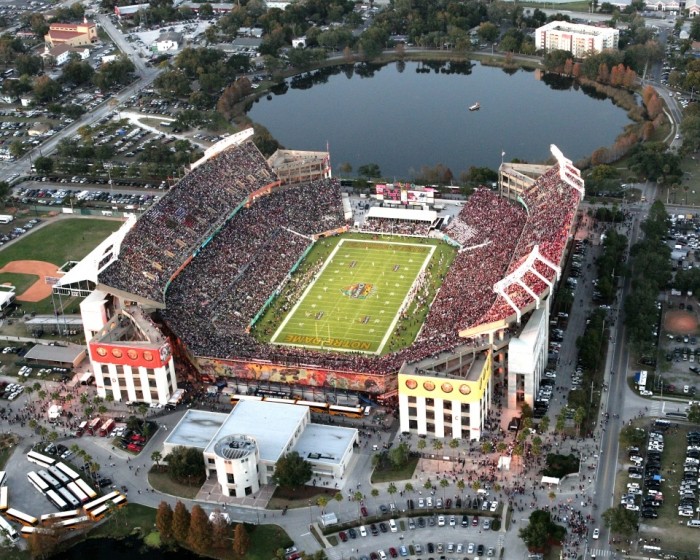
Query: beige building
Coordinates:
[72,34]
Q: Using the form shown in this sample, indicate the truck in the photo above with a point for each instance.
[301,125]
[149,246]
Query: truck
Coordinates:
[94,426]
[6,218]
[107,427]
[176,398]
[55,412]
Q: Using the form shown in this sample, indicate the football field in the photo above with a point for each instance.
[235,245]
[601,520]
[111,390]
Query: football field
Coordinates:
[353,302]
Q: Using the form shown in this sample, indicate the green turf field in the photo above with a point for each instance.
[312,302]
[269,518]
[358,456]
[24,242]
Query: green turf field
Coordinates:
[353,304]
[61,241]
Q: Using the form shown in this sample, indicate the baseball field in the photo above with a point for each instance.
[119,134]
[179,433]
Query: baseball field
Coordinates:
[39,253]
[353,303]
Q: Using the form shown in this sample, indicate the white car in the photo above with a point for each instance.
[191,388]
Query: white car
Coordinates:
[494,506]
[550,374]
[441,521]
[471,548]
[596,533]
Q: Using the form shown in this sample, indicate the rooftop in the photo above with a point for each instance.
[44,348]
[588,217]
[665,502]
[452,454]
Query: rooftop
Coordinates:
[325,444]
[270,424]
[196,428]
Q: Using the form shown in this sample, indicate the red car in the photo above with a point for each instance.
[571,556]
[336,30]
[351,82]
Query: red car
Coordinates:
[134,447]
[343,536]
[138,439]
[475,521]
[393,553]
[363,511]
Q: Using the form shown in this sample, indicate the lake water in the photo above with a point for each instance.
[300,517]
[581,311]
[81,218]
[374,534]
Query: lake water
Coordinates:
[403,117]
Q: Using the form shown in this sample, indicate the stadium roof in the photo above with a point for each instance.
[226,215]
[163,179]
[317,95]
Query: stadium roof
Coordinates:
[402,214]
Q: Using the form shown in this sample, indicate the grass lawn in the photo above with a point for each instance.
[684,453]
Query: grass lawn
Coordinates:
[354,302]
[19,281]
[299,497]
[163,483]
[265,541]
[123,522]
[62,241]
[392,474]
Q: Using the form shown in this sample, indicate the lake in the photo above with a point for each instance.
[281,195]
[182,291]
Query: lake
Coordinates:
[403,116]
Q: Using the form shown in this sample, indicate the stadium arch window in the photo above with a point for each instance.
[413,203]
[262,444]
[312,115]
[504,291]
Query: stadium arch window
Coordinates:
[411,383]
[429,386]
[116,353]
[465,389]
[446,387]
[148,356]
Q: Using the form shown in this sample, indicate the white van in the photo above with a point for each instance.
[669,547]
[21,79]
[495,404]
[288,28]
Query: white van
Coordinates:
[363,531]
[694,523]
[392,525]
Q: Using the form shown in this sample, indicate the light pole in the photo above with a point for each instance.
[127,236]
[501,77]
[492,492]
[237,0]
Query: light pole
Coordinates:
[311,520]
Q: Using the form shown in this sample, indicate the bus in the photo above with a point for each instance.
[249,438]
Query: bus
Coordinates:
[3,476]
[8,530]
[99,501]
[85,487]
[94,425]
[315,407]
[39,459]
[68,497]
[236,398]
[73,523]
[56,500]
[120,501]
[98,513]
[176,398]
[87,378]
[81,429]
[107,427]
[60,515]
[38,482]
[77,492]
[59,475]
[26,532]
[19,517]
[347,411]
[65,469]
[50,480]
[3,498]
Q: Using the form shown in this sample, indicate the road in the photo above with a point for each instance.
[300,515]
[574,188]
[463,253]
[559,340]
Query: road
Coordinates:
[146,77]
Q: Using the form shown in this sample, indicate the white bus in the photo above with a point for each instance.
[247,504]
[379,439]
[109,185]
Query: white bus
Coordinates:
[68,497]
[120,501]
[38,482]
[27,531]
[3,498]
[72,523]
[65,469]
[3,477]
[99,512]
[77,492]
[60,515]
[50,480]
[100,501]
[59,475]
[8,529]
[39,459]
[56,500]
[85,487]
[20,517]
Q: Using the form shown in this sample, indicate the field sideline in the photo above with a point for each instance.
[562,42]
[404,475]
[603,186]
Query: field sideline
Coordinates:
[354,301]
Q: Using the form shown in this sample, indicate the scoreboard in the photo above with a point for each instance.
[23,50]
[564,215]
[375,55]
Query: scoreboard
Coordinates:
[405,193]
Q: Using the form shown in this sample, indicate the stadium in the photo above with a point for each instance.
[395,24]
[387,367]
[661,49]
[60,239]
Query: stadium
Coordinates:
[187,282]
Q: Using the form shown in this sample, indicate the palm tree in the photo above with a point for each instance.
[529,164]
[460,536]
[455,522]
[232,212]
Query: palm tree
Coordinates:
[428,485]
[109,398]
[444,483]
[487,447]
[392,490]
[322,502]
[338,497]
[374,492]
[544,424]
[421,444]
[42,394]
[29,391]
[501,446]
[357,496]
[156,456]
[53,436]
[83,399]
[460,484]
[36,386]
[102,409]
[33,424]
[437,444]
[408,487]
[55,395]
[454,443]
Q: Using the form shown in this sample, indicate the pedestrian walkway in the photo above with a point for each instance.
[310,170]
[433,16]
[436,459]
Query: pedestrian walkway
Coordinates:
[600,553]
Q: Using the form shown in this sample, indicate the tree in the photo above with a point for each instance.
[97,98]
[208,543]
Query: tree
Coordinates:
[454,444]
[444,483]
[219,531]
[164,522]
[620,520]
[322,502]
[181,522]
[421,444]
[199,534]
[437,444]
[156,457]
[4,191]
[46,89]
[694,413]
[540,531]
[186,465]
[408,487]
[399,455]
[369,170]
[241,540]
[43,165]
[292,470]
[392,490]
[487,447]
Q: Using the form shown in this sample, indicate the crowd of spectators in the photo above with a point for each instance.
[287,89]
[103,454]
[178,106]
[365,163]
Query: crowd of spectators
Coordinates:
[396,227]
[211,302]
[230,279]
[171,230]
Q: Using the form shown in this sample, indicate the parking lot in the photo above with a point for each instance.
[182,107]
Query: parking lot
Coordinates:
[430,535]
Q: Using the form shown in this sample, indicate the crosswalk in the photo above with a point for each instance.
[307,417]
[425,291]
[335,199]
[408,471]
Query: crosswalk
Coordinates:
[599,553]
[656,408]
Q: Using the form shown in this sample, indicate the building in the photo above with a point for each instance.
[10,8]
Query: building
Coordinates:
[72,34]
[60,54]
[296,166]
[241,448]
[693,7]
[128,12]
[581,40]
[170,41]
[672,6]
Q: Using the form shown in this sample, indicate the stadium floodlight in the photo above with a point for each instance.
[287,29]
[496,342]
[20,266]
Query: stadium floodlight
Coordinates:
[516,277]
[567,172]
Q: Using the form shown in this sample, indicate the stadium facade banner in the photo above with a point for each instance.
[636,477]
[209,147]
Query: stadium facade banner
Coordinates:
[124,355]
[301,375]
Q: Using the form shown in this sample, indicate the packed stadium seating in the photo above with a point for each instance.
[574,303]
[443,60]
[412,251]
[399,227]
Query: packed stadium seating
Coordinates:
[243,248]
[396,227]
